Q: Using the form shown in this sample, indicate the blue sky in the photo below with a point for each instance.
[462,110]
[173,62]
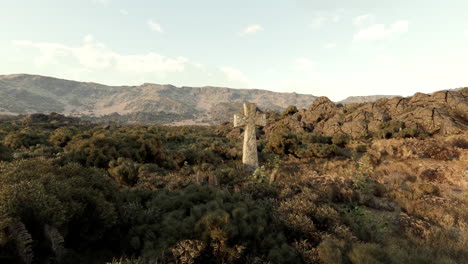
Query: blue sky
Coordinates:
[331,48]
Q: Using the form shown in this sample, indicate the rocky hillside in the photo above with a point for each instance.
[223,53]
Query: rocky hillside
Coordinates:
[23,94]
[443,112]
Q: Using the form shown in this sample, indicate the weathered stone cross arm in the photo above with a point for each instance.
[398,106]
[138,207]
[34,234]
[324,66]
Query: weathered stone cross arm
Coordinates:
[249,120]
[249,117]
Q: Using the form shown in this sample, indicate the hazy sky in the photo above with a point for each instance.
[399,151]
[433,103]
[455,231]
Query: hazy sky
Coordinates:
[332,48]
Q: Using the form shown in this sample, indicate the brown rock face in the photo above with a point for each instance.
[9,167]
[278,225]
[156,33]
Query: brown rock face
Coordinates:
[321,109]
[355,129]
[444,112]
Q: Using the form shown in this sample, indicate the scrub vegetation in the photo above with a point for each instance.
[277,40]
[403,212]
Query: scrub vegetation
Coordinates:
[91,193]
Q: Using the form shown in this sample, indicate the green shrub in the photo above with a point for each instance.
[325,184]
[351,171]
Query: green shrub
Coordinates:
[340,139]
[5,153]
[331,251]
[281,141]
[311,138]
[362,148]
[61,136]
[318,150]
[24,139]
[389,129]
[124,171]
[43,208]
[98,147]
[230,226]
[398,129]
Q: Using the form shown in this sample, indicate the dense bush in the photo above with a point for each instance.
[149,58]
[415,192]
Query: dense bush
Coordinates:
[24,139]
[5,153]
[340,139]
[124,171]
[225,227]
[5,129]
[99,146]
[61,136]
[281,141]
[45,209]
[398,129]
[311,138]
[318,150]
[305,145]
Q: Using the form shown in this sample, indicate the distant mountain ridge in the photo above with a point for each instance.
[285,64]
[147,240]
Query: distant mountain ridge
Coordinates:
[24,94]
[365,99]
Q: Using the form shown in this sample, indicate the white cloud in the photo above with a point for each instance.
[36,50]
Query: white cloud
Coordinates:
[360,20]
[236,76]
[318,22]
[154,26]
[304,65]
[50,53]
[330,45]
[252,29]
[123,12]
[380,31]
[95,56]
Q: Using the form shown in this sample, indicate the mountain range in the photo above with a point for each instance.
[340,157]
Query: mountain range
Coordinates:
[146,103]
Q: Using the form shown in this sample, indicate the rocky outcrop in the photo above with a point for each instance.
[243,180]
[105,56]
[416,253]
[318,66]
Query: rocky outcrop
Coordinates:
[443,112]
[321,109]
[293,123]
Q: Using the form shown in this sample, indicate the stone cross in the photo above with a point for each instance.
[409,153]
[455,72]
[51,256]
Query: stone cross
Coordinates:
[249,120]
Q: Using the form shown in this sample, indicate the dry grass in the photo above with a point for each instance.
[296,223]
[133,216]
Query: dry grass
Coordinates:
[405,198]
